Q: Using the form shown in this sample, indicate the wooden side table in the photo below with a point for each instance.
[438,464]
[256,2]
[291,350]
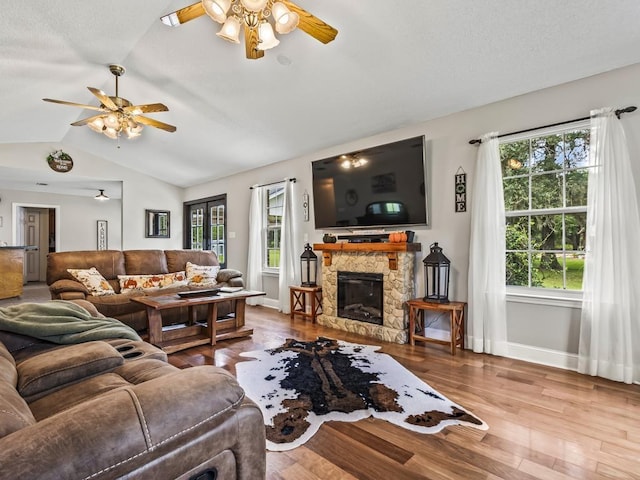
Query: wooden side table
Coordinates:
[417,307]
[298,301]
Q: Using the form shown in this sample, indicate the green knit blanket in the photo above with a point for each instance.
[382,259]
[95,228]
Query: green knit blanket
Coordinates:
[61,321]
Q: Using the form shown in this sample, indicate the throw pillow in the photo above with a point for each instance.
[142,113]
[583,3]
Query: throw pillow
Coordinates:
[93,281]
[202,275]
[152,282]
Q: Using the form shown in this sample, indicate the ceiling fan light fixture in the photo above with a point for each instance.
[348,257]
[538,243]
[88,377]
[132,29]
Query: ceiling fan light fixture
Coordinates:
[111,121]
[286,20]
[230,31]
[110,132]
[254,5]
[101,196]
[267,38]
[217,9]
[97,124]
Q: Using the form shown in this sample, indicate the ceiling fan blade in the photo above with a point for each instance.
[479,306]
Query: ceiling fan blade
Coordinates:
[312,25]
[154,123]
[84,121]
[147,108]
[183,15]
[81,105]
[251,43]
[104,99]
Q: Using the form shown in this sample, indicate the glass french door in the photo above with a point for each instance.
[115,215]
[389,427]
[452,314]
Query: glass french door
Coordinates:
[206,226]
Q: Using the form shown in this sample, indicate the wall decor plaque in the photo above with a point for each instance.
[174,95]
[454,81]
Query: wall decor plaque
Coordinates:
[461,190]
[60,161]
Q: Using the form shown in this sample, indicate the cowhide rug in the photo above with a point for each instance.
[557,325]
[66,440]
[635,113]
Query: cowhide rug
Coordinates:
[299,385]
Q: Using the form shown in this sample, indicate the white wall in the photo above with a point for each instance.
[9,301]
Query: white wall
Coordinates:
[78,216]
[538,332]
[139,192]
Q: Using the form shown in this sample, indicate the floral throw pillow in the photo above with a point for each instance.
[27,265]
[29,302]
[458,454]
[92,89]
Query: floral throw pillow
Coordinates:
[152,282]
[93,281]
[202,275]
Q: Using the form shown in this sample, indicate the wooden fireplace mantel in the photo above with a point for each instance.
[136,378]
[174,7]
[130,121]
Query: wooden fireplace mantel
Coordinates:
[391,249]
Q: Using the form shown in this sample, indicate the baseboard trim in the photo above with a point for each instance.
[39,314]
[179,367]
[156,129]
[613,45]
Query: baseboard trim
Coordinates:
[271,303]
[543,356]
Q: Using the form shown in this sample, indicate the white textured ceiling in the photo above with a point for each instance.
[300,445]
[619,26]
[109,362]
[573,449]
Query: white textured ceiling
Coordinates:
[387,68]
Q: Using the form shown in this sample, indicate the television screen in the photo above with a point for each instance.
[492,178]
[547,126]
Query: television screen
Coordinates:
[376,187]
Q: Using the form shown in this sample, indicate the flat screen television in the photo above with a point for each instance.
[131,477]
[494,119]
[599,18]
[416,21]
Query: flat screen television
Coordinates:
[378,187]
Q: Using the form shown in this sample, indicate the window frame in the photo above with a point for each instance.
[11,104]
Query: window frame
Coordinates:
[543,295]
[268,227]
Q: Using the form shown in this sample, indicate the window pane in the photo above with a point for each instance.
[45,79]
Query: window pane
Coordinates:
[575,270]
[514,158]
[549,267]
[518,269]
[547,153]
[546,191]
[516,193]
[576,231]
[576,145]
[518,233]
[546,232]
[577,182]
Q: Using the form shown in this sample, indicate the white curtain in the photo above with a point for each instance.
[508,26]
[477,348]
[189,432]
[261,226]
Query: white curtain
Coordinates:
[487,322]
[610,322]
[256,242]
[289,254]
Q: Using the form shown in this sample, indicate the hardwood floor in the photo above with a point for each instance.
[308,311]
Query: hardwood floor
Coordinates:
[544,423]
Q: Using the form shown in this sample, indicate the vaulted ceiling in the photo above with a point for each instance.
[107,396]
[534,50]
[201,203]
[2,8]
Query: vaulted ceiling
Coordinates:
[387,68]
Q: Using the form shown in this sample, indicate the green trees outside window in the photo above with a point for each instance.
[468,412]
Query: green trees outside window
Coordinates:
[545,180]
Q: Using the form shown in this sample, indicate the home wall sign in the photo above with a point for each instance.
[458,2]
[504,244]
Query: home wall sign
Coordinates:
[59,161]
[461,190]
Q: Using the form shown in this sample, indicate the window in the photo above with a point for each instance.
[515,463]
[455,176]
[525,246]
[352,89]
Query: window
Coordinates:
[274,205]
[206,226]
[545,180]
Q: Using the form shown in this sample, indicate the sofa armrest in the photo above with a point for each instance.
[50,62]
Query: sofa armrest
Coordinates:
[226,274]
[61,289]
[161,428]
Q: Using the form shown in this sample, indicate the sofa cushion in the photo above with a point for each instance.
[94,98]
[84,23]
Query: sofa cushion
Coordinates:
[152,282]
[145,262]
[110,263]
[92,280]
[202,275]
[39,374]
[14,411]
[177,259]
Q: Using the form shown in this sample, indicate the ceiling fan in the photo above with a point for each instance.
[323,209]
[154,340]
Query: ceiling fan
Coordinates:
[253,16]
[118,115]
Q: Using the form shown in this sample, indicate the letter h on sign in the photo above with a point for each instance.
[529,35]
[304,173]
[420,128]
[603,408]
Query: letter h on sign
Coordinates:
[461,191]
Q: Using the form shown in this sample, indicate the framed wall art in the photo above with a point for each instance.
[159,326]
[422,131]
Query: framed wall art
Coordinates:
[102,234]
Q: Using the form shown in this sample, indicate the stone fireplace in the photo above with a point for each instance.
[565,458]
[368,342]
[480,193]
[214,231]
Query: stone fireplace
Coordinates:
[392,263]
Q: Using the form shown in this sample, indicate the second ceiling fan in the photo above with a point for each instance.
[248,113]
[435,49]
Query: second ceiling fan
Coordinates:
[252,17]
[118,115]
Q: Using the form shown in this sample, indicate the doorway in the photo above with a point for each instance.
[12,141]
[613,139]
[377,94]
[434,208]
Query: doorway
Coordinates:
[37,227]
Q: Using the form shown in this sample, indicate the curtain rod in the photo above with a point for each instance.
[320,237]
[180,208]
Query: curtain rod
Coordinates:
[273,183]
[618,113]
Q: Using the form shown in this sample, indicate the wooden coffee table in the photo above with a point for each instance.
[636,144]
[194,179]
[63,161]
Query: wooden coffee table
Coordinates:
[173,338]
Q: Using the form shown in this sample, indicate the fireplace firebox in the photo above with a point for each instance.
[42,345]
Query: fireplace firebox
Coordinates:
[360,296]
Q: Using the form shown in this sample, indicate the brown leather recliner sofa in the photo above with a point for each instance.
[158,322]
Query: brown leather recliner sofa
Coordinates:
[111,263]
[117,409]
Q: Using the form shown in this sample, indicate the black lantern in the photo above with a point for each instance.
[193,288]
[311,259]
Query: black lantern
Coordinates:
[436,276]
[308,267]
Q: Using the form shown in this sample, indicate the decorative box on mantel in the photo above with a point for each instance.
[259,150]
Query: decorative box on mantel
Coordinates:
[395,261]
